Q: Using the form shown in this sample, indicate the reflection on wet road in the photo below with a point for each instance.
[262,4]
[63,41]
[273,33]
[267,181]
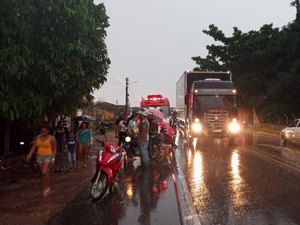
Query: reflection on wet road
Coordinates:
[144,196]
[233,185]
[269,144]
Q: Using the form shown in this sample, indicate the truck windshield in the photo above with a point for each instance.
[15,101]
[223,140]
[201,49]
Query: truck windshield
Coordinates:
[204,103]
[165,109]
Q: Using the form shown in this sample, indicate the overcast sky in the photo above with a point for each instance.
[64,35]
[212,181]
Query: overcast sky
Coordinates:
[152,42]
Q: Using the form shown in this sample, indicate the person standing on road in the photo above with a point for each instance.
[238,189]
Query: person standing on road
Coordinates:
[143,138]
[132,123]
[123,128]
[60,137]
[71,146]
[133,131]
[46,152]
[84,135]
[153,133]
[117,127]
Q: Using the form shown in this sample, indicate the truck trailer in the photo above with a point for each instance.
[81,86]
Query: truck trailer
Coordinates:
[206,104]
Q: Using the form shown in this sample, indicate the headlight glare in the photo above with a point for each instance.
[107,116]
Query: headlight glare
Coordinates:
[196,127]
[234,127]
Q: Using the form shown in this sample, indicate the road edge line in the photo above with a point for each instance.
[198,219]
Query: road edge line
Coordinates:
[187,211]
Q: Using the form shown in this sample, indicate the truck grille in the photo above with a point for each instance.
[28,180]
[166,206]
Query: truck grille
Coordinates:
[216,120]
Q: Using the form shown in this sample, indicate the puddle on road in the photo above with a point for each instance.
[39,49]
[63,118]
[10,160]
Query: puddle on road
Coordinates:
[144,195]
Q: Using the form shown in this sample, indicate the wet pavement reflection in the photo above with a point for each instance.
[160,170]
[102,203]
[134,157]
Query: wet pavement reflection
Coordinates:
[269,144]
[144,195]
[233,185]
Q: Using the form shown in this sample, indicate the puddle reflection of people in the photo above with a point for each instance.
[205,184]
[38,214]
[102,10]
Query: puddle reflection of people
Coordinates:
[144,181]
[151,182]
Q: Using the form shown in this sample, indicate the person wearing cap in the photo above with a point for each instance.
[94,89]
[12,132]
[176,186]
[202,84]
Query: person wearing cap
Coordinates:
[143,137]
[153,132]
[133,130]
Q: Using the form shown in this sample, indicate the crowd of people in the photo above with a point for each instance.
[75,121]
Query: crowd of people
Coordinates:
[142,126]
[48,143]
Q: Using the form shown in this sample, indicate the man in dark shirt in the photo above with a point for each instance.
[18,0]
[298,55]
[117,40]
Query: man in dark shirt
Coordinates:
[60,136]
[153,133]
[143,138]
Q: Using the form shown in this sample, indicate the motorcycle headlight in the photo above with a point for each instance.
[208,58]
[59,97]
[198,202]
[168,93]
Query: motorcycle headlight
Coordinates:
[196,126]
[128,139]
[234,126]
[113,149]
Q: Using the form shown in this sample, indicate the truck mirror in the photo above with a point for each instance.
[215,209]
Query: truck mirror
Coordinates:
[186,99]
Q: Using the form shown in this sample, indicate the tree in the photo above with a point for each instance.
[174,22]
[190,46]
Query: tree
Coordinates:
[265,66]
[296,3]
[250,56]
[53,54]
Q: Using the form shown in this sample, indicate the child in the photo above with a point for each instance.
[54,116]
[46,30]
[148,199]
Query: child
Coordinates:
[71,146]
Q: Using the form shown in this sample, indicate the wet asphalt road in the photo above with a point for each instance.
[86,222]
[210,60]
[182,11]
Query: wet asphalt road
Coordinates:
[236,185]
[143,195]
[227,184]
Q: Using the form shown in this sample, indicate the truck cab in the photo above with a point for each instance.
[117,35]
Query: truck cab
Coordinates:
[206,104]
[213,103]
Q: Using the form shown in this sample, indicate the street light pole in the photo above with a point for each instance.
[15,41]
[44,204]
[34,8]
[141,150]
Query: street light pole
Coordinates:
[126,96]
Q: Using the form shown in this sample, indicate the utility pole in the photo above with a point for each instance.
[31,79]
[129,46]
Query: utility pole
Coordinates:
[126,96]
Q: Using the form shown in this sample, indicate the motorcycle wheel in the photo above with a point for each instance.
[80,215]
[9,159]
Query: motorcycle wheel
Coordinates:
[99,186]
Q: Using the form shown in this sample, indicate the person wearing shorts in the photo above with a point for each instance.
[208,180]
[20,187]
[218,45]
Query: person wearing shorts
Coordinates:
[83,136]
[45,144]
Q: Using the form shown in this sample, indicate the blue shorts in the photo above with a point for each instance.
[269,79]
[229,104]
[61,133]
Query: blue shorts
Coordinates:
[43,158]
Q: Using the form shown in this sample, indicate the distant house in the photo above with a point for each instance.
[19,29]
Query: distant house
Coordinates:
[108,111]
[112,107]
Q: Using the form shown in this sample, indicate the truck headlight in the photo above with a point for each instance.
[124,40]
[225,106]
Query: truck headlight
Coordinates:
[234,127]
[196,126]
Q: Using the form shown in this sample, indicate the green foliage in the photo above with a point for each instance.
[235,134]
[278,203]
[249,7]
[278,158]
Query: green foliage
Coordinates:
[265,66]
[52,55]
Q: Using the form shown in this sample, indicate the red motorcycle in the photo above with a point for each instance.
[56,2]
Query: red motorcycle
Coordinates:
[108,162]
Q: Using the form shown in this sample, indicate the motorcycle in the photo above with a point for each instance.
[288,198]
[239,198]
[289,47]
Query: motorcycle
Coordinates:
[162,142]
[108,162]
[130,146]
